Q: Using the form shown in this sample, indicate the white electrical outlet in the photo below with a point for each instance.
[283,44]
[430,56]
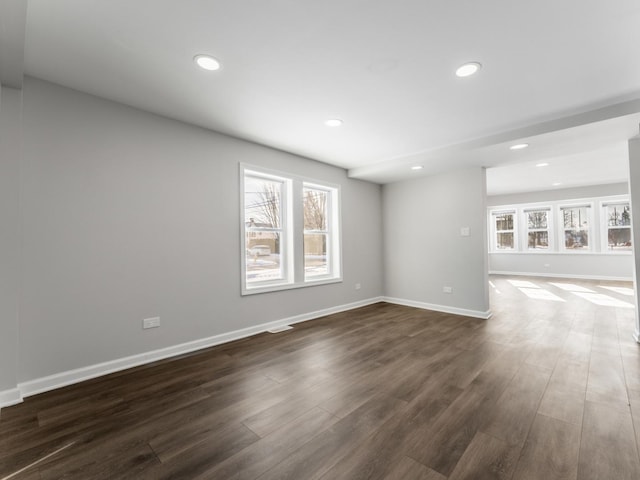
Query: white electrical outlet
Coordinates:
[465,231]
[153,322]
[446,289]
[358,286]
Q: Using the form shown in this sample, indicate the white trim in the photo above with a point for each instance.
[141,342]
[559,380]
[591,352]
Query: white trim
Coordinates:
[592,227]
[439,308]
[10,397]
[58,380]
[524,248]
[292,231]
[562,275]
[577,252]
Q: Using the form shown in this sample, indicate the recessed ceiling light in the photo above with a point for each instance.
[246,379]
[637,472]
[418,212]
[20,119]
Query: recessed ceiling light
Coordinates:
[333,122]
[555,184]
[519,146]
[468,69]
[207,62]
[417,167]
[543,164]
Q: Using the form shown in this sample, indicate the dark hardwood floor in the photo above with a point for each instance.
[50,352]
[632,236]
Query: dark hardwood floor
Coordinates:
[548,388]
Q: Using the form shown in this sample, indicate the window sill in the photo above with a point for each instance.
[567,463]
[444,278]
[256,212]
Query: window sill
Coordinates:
[567,252]
[289,286]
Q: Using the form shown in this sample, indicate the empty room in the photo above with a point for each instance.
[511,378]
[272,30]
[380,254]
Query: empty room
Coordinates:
[319,240]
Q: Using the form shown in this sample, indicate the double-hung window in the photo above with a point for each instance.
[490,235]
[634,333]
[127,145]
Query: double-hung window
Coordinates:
[318,248]
[576,222]
[266,226]
[618,226]
[504,230]
[290,233]
[538,228]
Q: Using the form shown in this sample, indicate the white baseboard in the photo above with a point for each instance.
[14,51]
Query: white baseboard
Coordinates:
[51,382]
[439,308]
[563,275]
[10,397]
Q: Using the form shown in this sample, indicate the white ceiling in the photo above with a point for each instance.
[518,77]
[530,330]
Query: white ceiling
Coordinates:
[559,74]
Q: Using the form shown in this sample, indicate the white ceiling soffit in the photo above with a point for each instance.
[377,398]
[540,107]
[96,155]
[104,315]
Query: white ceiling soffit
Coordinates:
[568,171]
[386,68]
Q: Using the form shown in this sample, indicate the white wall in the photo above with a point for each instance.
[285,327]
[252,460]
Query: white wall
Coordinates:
[557,264]
[583,265]
[634,193]
[10,125]
[559,194]
[423,248]
[127,215]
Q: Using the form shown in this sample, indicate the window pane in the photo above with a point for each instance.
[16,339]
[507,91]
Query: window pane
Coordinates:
[539,240]
[618,215]
[575,217]
[619,238]
[504,240]
[315,255]
[576,227]
[504,222]
[262,256]
[576,239]
[262,200]
[315,209]
[537,220]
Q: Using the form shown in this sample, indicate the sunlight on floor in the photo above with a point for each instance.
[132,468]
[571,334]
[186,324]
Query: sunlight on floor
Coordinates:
[536,292]
[541,294]
[570,287]
[621,290]
[522,283]
[603,300]
[493,285]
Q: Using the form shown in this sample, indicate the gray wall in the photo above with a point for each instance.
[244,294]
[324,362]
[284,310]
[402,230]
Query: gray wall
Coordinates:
[10,125]
[127,215]
[423,248]
[591,265]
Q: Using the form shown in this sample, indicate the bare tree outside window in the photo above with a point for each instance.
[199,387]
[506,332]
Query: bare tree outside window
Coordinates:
[315,208]
[291,232]
[537,229]
[504,223]
[619,226]
[266,206]
[263,229]
[576,227]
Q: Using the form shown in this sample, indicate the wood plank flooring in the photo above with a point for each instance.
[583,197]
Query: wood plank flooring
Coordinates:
[548,388]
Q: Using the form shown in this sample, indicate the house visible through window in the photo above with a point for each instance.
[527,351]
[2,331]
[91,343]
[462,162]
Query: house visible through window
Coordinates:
[291,235]
[265,242]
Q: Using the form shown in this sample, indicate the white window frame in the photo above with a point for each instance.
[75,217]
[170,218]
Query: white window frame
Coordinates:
[604,225]
[494,230]
[331,231]
[525,223]
[561,229]
[292,238]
